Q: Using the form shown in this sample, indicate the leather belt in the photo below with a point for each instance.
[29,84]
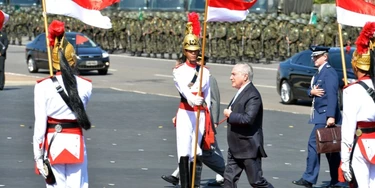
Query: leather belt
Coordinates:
[63,125]
[360,131]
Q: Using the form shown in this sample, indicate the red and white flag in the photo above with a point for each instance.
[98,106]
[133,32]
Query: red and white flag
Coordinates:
[228,10]
[88,11]
[3,19]
[355,12]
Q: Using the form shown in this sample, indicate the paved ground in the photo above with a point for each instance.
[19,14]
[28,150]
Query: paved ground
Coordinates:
[133,141]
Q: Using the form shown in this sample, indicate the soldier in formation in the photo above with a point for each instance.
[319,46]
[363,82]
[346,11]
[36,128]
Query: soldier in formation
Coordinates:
[259,38]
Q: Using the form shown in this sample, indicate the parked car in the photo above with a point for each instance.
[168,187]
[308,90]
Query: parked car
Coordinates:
[294,74]
[90,55]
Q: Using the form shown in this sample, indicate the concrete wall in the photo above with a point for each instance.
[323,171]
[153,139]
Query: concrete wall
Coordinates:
[325,10]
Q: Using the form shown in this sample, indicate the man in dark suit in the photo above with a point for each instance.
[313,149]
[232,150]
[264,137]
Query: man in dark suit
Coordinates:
[325,113]
[3,53]
[245,133]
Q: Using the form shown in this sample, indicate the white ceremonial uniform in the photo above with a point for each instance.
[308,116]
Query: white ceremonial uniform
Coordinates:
[186,114]
[68,151]
[359,110]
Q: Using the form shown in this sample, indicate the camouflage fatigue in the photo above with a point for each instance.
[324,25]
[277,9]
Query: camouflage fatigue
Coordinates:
[221,35]
[169,33]
[269,41]
[319,39]
[255,46]
[136,43]
[281,42]
[147,36]
[240,31]
[247,38]
[154,37]
[329,35]
[232,43]
[213,41]
[294,37]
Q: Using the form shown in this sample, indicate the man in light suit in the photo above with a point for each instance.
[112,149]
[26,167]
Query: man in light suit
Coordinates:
[245,133]
[325,113]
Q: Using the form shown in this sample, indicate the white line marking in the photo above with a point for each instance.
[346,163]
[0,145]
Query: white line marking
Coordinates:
[265,86]
[112,70]
[163,75]
[174,96]
[171,60]
[25,75]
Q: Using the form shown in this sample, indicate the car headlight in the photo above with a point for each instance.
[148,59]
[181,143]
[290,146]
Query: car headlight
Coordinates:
[105,54]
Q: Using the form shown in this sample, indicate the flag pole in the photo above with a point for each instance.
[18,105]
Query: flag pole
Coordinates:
[342,55]
[199,94]
[46,31]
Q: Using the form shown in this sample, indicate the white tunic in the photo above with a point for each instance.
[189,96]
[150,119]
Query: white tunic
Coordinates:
[186,119]
[358,106]
[48,103]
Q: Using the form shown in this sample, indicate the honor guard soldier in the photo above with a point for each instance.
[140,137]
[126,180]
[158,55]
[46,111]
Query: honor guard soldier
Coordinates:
[325,112]
[187,80]
[358,126]
[59,106]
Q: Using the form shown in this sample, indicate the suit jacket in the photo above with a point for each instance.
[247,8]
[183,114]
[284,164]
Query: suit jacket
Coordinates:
[4,44]
[327,105]
[215,102]
[245,133]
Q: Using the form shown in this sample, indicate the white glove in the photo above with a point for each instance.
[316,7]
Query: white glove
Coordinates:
[40,166]
[346,170]
[196,101]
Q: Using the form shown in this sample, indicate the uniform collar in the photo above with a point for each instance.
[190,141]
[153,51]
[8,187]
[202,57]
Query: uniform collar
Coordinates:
[190,64]
[321,67]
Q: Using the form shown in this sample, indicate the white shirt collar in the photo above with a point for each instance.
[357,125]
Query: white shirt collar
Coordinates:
[320,68]
[243,87]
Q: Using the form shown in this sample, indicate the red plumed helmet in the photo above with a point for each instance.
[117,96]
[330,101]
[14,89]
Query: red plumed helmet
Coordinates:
[55,29]
[193,17]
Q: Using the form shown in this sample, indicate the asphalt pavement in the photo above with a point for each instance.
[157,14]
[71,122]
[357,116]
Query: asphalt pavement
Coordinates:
[132,142]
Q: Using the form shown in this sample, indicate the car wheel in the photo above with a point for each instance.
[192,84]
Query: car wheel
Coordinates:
[103,72]
[286,93]
[31,65]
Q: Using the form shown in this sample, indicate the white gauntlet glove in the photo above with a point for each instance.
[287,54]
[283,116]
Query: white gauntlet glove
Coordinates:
[196,101]
[345,159]
[345,168]
[38,157]
[40,167]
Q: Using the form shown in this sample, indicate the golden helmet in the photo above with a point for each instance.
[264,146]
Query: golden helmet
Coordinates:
[361,61]
[365,43]
[191,40]
[69,53]
[58,41]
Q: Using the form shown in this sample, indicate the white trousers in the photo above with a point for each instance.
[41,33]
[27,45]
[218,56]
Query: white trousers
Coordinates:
[364,171]
[71,175]
[185,133]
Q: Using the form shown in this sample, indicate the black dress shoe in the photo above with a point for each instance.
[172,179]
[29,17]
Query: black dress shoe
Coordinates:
[170,179]
[302,182]
[215,184]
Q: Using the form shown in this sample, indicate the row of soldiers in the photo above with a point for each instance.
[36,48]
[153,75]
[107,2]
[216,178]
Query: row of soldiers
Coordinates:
[259,36]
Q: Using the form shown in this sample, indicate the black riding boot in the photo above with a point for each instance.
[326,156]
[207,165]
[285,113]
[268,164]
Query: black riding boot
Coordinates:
[184,172]
[198,173]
